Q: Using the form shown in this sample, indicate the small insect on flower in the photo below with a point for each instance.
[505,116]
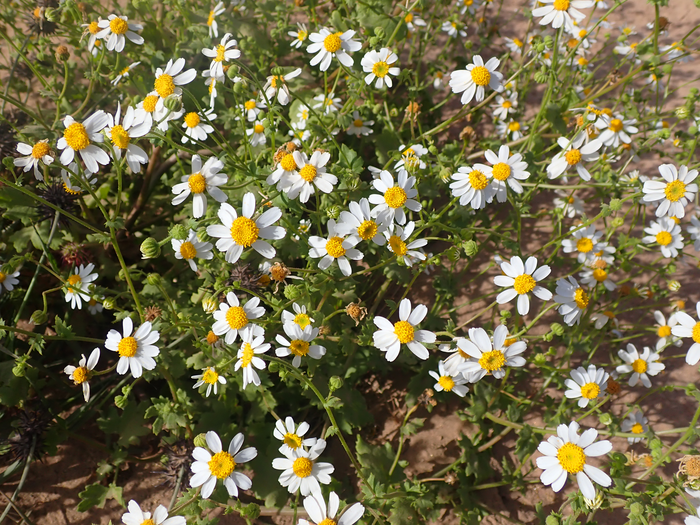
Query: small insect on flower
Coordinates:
[677,188]
[79,137]
[299,343]
[116,29]
[642,366]
[473,80]
[327,44]
[211,378]
[377,65]
[586,384]
[301,470]
[390,337]
[334,248]
[39,152]
[80,375]
[521,279]
[203,178]
[635,423]
[78,285]
[572,298]
[136,351]
[315,507]
[292,435]
[136,516]
[449,382]
[231,317]
[252,344]
[689,327]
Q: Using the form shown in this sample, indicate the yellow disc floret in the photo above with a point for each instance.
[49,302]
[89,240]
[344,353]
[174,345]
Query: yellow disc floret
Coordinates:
[395,197]
[149,103]
[616,125]
[164,85]
[637,428]
[292,441]
[74,280]
[192,120]
[524,283]
[571,457]
[76,136]
[664,238]
[501,171]
[381,69]
[248,354]
[236,317]
[367,230]
[404,331]
[514,126]
[40,150]
[244,231]
[481,76]
[573,156]
[302,320]
[221,465]
[478,180]
[675,190]
[492,361]
[447,383]
[127,347]
[299,347]
[600,275]
[308,172]
[302,467]
[663,331]
[80,375]
[220,53]
[581,298]
[118,26]
[288,163]
[120,137]
[590,390]
[639,366]
[696,333]
[197,183]
[258,128]
[187,250]
[210,376]
[332,42]
[397,245]
[334,247]
[584,245]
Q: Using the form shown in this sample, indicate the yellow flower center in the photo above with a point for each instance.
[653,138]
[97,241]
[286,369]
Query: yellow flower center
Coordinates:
[187,250]
[40,150]
[367,230]
[561,5]
[236,317]
[696,333]
[639,366]
[408,18]
[292,441]
[221,465]
[192,119]
[220,51]
[3,276]
[197,183]
[288,163]
[124,71]
[149,103]
[80,375]
[664,238]
[334,247]
[149,521]
[584,245]
[637,428]
[404,331]
[501,171]
[164,85]
[74,279]
[600,275]
[93,28]
[210,20]
[582,61]
[590,390]
[249,105]
[302,467]
[481,76]
[308,172]
[258,128]
[76,136]
[518,42]
[244,231]
[524,283]
[571,457]
[299,347]
[447,383]
[514,126]
[395,197]
[301,35]
[212,337]
[302,320]
[478,180]
[381,69]
[663,331]
[573,157]
[581,298]
[332,42]
[616,125]
[120,137]
[210,376]
[72,191]
[572,43]
[247,356]
[675,190]
[118,26]
[397,245]
[507,104]
[328,521]
[493,360]
[127,347]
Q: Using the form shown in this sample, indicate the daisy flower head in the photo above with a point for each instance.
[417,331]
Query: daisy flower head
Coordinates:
[390,336]
[603,256]
[449,382]
[211,378]
[192,248]
[276,86]
[458,356]
[299,36]
[116,29]
[220,55]
[8,281]
[277,272]
[94,43]
[219,464]
[511,129]
[389,205]
[78,285]
[327,44]
[309,173]
[635,423]
[211,20]
[292,435]
[33,155]
[569,204]
[136,516]
[377,65]
[136,124]
[299,343]
[411,157]
[413,22]
[471,185]
[586,385]
[298,317]
[80,375]
[689,327]
[136,349]
[595,276]
[473,80]
[232,318]
[95,306]
[359,224]
[252,345]
[521,279]
[487,356]
[600,319]
[302,471]
[154,106]
[251,108]
[584,241]
[196,126]
[566,453]
[168,79]
[615,130]
[71,184]
[641,365]
[453,29]
[677,188]
[664,330]
[124,73]
[667,234]
[203,178]
[572,298]
[560,13]
[329,104]
[315,507]
[358,126]
[256,134]
[237,233]
[506,170]
[574,153]
[334,248]
[514,45]
[79,137]
[397,242]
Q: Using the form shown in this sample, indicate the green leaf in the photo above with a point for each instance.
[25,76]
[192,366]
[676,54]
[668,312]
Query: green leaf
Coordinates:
[96,495]
[62,329]
[128,424]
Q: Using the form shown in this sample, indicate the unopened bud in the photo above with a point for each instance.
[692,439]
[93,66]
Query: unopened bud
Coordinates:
[557,329]
[674,286]
[615,204]
[433,149]
[334,383]
[39,317]
[333,212]
[209,305]
[173,103]
[471,248]
[200,440]
[292,292]
[150,248]
[682,112]
[179,232]
[153,279]
[109,303]
[453,254]
[51,14]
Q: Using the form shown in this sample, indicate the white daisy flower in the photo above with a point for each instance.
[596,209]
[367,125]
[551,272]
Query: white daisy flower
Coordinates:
[506,170]
[514,45]
[689,327]
[168,79]
[256,134]
[236,233]
[286,168]
[208,467]
[161,116]
[505,106]
[203,178]
[664,330]
[358,126]
[41,151]
[136,123]
[521,279]
[330,103]
[251,108]
[439,79]
[196,126]
[411,157]
[252,344]
[359,224]
[602,257]
[473,80]
[566,453]
[302,116]
[490,357]
[572,298]
[675,191]
[301,136]
[292,435]
[584,241]
[574,153]
[69,176]
[393,198]
[586,385]
[315,507]
[397,238]
[635,423]
[327,44]
[334,248]
[448,381]
[377,65]
[276,86]
[136,351]
[136,516]
[299,317]
[413,22]
[192,248]
[562,13]
[124,73]
[600,319]
[80,375]
[642,366]
[94,43]
[512,129]
[457,358]
[231,318]
[594,276]
[211,378]
[94,306]
[299,36]
[8,281]
[390,337]
[453,29]
[310,172]
[211,20]
[116,29]
[569,204]
[301,470]
[78,285]
[615,130]
[220,55]
[667,234]
[299,343]
[79,138]
[471,185]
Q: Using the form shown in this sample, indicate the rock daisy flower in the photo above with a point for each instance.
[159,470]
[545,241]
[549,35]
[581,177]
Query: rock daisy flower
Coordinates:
[574,153]
[569,204]
[506,170]
[329,104]
[409,252]
[309,173]
[471,185]
[136,516]
[124,73]
[449,382]
[136,124]
[95,306]
[203,178]
[584,242]
[136,351]
[92,29]
[168,79]
[8,281]
[299,36]
[635,423]
[389,205]
[315,507]
[586,385]
[299,317]
[458,356]
[299,343]
[592,277]
[572,298]
[252,344]
[251,108]
[292,435]
[667,234]
[80,375]
[674,192]
[359,224]
[231,317]
[511,129]
[79,138]
[211,20]
[211,378]
[256,134]
[359,126]
[154,106]
[521,279]
[473,80]
[642,366]
[225,52]
[219,464]
[196,126]
[664,330]
[560,13]
[78,285]
[327,44]
[377,65]
[301,470]
[566,453]
[615,130]
[411,157]
[116,29]
[192,248]
[236,233]
[33,155]
[276,86]
[334,248]
[505,106]
[490,357]
[390,337]
[453,29]
[689,327]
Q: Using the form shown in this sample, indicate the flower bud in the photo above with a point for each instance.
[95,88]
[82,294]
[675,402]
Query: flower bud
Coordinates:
[108,303]
[379,31]
[471,248]
[445,174]
[173,103]
[52,14]
[150,248]
[179,232]
[334,383]
[549,41]
[121,401]
[374,41]
[292,292]
[393,112]
[39,317]
[209,305]
[682,112]
[540,359]
[333,212]
[200,440]
[153,279]
[540,77]
[557,329]
[674,286]
[453,254]
[615,204]
[62,54]
[505,314]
